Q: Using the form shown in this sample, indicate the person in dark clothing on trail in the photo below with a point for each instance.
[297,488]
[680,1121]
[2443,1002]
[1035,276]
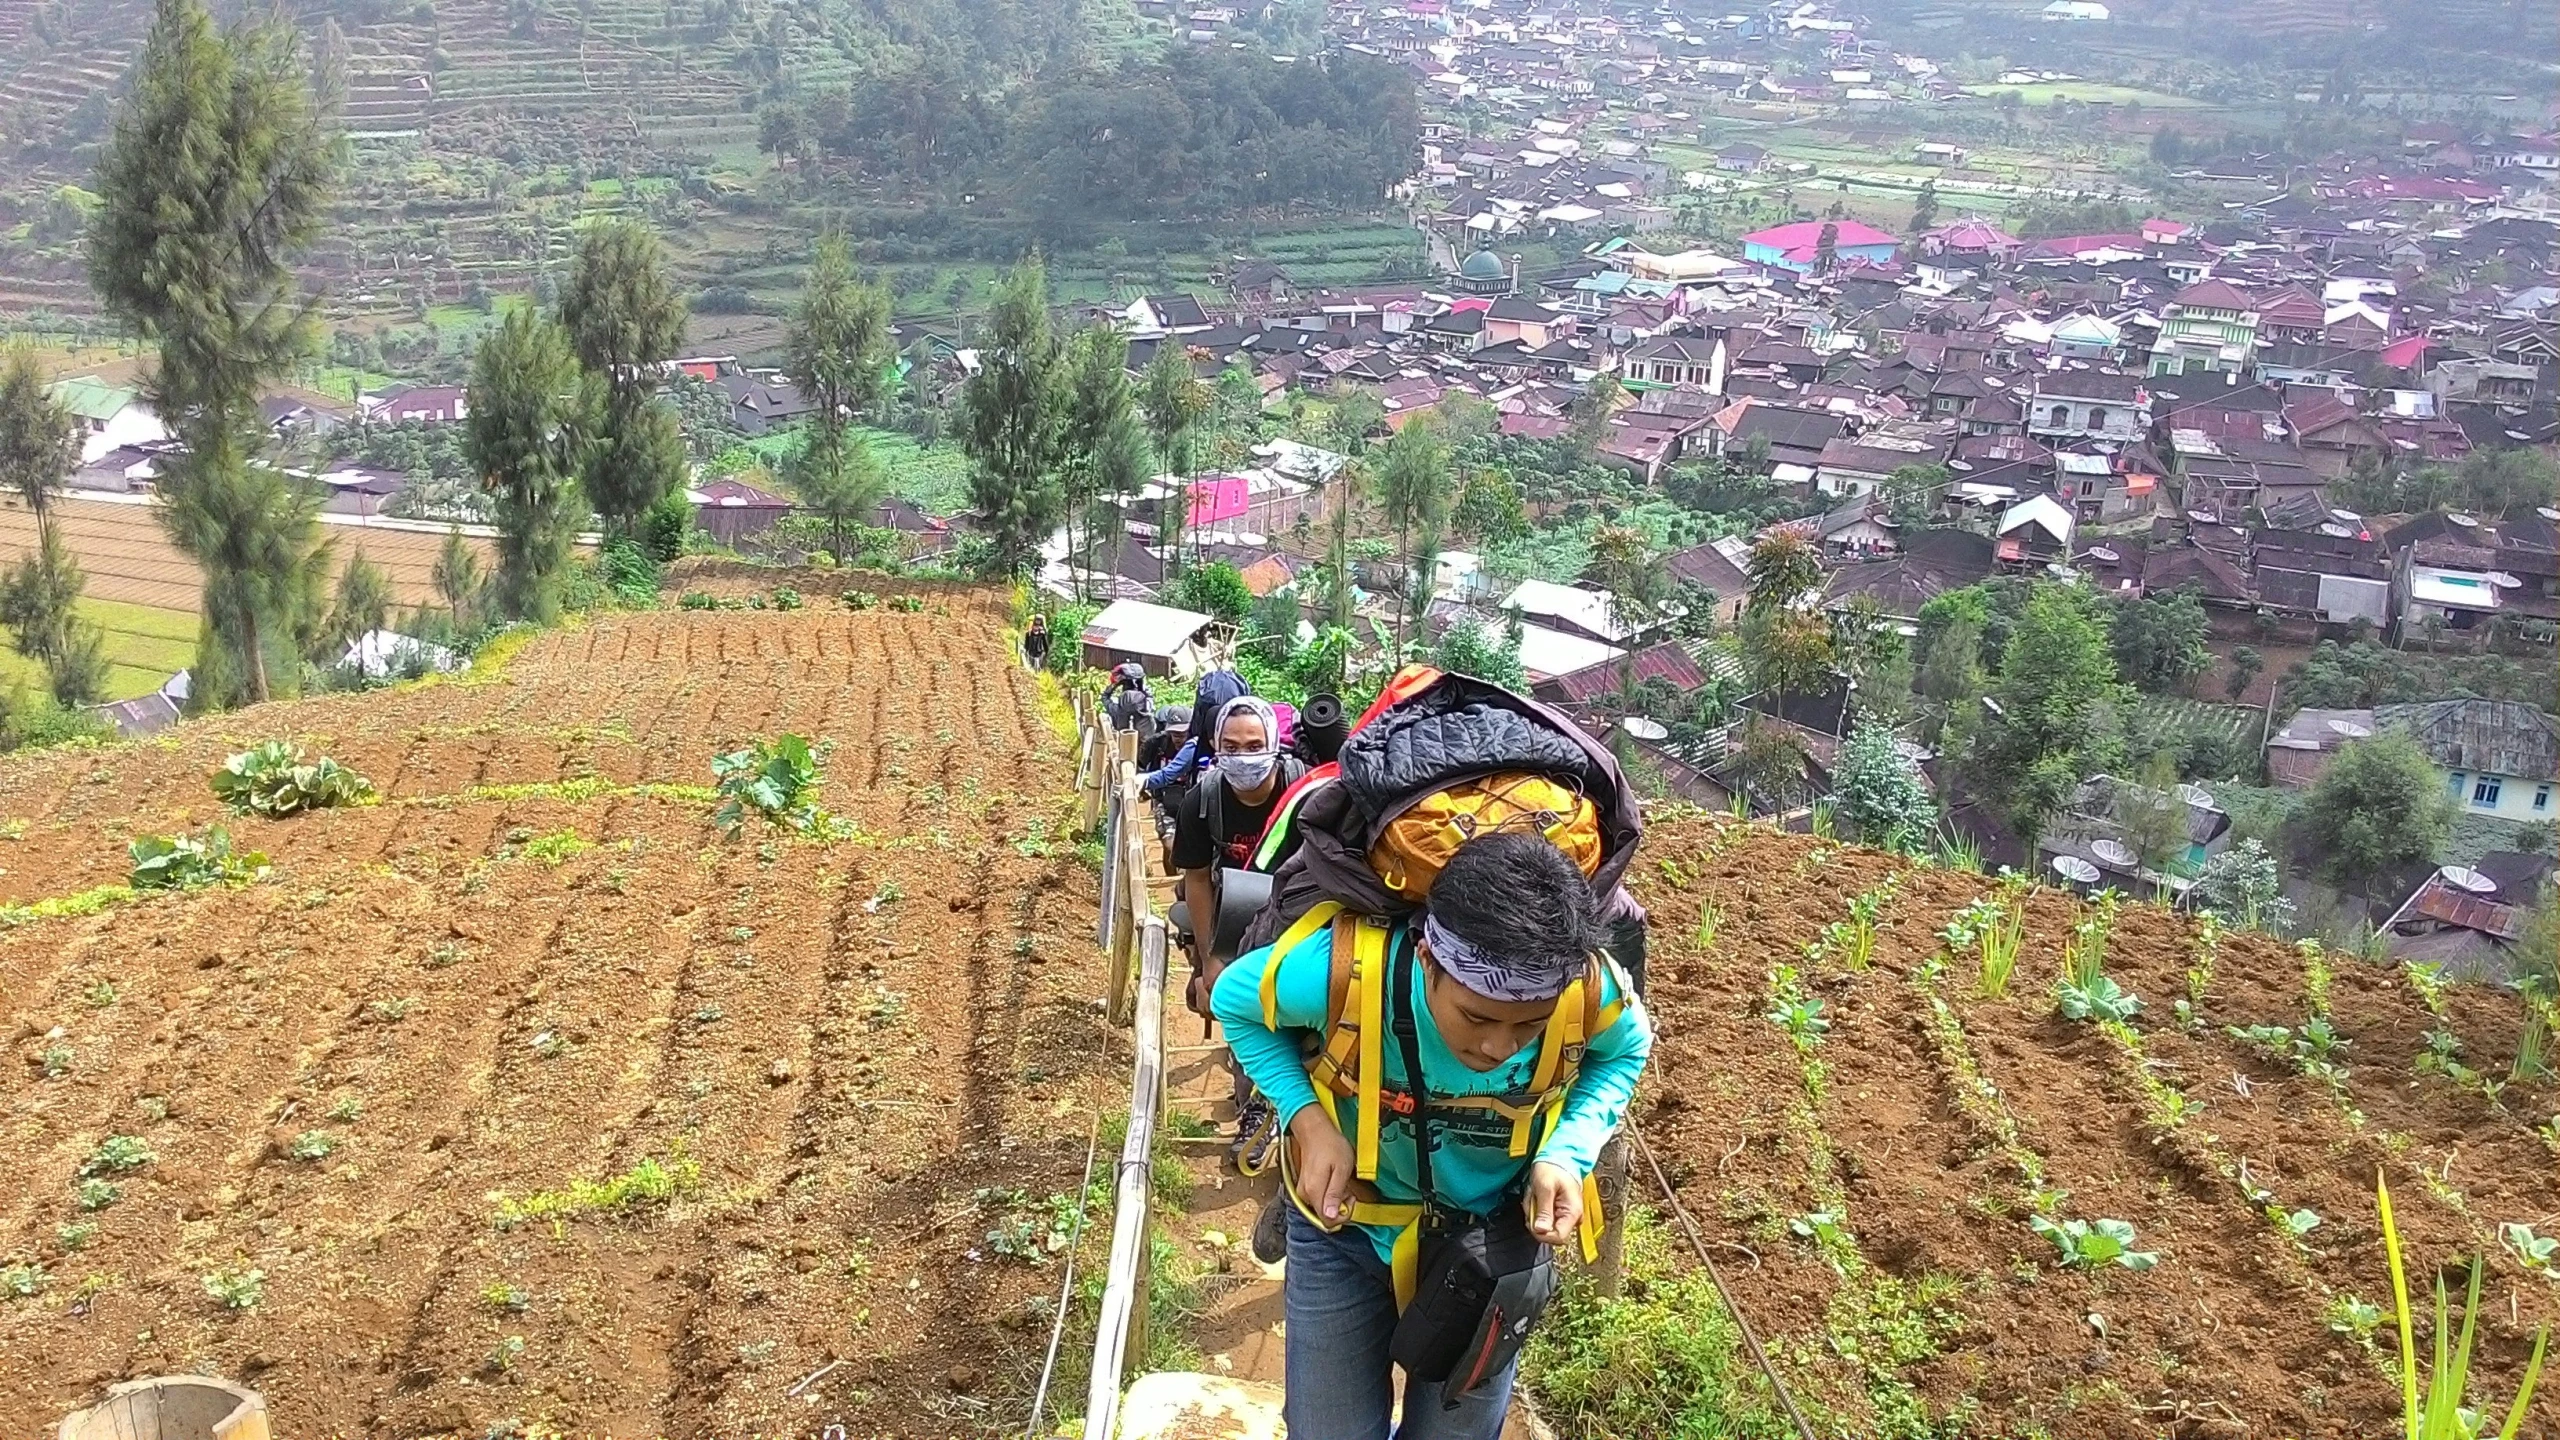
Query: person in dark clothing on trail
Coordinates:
[1169,732]
[1035,642]
[1124,704]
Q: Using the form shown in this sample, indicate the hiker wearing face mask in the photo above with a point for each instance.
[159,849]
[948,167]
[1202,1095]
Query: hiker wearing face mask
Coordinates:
[1217,826]
[1219,822]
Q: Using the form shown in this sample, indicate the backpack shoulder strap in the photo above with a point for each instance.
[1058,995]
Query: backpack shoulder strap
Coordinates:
[1316,918]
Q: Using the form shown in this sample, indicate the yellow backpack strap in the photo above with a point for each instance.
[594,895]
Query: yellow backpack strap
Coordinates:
[1369,959]
[1594,1224]
[1559,1056]
[1290,939]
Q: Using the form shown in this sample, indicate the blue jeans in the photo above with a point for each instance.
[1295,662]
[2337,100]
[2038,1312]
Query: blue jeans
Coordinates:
[1341,1310]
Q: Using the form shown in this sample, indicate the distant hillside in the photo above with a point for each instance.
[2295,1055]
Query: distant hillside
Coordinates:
[485,130]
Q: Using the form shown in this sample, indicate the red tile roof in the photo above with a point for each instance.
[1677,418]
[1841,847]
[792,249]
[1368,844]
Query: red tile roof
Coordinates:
[2213,295]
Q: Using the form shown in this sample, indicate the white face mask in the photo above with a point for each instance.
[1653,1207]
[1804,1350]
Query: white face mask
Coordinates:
[1246,772]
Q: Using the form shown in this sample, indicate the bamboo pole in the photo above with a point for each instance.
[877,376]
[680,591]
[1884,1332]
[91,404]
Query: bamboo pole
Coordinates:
[1120,1330]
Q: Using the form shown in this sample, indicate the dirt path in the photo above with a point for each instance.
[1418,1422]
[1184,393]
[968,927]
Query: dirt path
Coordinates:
[865,1069]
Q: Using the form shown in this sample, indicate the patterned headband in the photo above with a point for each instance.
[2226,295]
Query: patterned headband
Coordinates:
[1492,978]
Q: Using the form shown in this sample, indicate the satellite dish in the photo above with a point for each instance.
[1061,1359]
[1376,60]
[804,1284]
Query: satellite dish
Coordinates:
[2547,513]
[2075,869]
[2104,554]
[2112,852]
[1644,729]
[2353,730]
[2195,795]
[2348,517]
[2335,530]
[2458,518]
[2505,581]
[1961,467]
[2201,517]
[2463,877]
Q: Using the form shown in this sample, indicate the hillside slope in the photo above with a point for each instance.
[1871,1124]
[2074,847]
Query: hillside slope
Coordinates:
[537,966]
[1872,1192]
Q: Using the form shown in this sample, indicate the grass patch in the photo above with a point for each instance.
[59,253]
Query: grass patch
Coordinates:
[59,907]
[647,1183]
[1663,1361]
[145,645]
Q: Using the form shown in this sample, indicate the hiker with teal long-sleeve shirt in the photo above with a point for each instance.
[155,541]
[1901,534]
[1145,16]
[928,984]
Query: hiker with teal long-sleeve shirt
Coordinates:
[1529,1043]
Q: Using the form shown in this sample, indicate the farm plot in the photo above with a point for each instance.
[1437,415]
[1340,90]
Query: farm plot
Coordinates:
[524,1097]
[1895,1159]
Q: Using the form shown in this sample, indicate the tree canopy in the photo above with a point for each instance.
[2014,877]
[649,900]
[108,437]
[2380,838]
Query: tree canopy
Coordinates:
[2378,807]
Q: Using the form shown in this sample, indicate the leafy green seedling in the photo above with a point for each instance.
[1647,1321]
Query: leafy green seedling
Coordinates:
[2098,997]
[235,1287]
[2089,1244]
[1802,1020]
[2296,1224]
[2534,1250]
[117,1154]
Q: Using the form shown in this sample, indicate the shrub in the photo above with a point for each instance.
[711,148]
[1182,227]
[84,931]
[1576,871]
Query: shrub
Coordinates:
[187,862]
[697,600]
[777,779]
[272,780]
[859,599]
[629,572]
[786,598]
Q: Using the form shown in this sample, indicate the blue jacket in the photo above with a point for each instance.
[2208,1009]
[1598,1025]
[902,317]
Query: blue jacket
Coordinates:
[1185,762]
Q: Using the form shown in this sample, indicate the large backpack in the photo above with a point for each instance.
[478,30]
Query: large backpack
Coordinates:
[1437,760]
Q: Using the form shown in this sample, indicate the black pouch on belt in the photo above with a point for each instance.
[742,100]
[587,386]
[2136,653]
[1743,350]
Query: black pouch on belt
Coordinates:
[1483,1283]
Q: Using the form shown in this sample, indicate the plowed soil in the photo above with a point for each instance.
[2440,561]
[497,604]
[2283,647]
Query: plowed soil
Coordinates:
[521,971]
[1950,1302]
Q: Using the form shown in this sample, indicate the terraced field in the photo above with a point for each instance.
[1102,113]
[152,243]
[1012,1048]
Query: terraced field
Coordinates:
[1871,1137]
[523,1098]
[128,556]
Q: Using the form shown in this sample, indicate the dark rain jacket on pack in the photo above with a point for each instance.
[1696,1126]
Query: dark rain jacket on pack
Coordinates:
[1453,728]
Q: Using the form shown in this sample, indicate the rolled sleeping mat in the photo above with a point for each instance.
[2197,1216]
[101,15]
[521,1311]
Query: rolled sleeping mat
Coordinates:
[1321,728]
[1241,896]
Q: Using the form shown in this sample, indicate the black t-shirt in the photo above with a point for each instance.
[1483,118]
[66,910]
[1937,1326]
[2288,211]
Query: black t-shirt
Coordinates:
[1213,828]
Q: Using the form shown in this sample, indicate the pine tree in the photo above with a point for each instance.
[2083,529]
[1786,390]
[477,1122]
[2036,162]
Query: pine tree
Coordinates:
[457,580]
[39,437]
[1174,401]
[527,402]
[361,605]
[1093,426]
[625,320]
[838,347]
[1413,491]
[218,170]
[1009,419]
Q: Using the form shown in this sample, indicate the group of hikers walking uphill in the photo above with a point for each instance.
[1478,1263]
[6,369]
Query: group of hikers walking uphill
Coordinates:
[1411,931]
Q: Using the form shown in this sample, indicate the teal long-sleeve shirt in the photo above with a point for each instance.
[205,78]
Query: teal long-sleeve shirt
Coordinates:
[1471,1165]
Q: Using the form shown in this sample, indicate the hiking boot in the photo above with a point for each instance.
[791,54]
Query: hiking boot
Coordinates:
[1271,1230]
[1257,1130]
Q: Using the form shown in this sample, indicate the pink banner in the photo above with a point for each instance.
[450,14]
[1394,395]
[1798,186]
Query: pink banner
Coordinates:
[1222,498]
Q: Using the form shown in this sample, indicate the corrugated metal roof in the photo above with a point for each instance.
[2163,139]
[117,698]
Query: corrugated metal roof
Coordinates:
[1666,662]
